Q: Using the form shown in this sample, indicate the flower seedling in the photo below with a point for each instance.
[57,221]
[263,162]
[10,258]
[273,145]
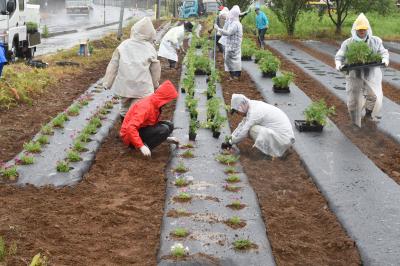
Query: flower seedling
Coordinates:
[47,130]
[79,146]
[236,205]
[84,137]
[180,232]
[95,121]
[10,172]
[227,159]
[73,156]
[230,170]
[231,188]
[179,251]
[187,146]
[181,182]
[183,197]
[90,129]
[243,244]
[181,168]
[63,167]
[233,179]
[103,111]
[43,139]
[188,154]
[318,112]
[59,120]
[26,159]
[73,110]
[235,222]
[33,146]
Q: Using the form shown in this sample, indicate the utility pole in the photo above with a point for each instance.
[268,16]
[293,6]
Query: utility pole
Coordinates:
[121,19]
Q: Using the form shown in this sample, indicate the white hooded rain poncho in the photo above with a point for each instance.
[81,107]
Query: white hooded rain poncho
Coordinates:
[363,87]
[231,39]
[132,74]
[267,125]
[172,41]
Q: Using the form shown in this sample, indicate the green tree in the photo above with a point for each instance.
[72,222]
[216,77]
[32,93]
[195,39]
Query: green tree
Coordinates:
[383,7]
[243,4]
[288,12]
[340,14]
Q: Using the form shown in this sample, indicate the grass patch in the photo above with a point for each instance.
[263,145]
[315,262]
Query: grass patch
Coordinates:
[230,170]
[227,158]
[33,146]
[187,146]
[74,110]
[47,130]
[84,137]
[59,120]
[232,188]
[63,167]
[43,139]
[73,156]
[183,197]
[26,159]
[188,154]
[233,178]
[243,244]
[10,173]
[79,146]
[181,182]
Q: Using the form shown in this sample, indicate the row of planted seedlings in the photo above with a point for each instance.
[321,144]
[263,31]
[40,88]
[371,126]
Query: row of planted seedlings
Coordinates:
[9,171]
[316,115]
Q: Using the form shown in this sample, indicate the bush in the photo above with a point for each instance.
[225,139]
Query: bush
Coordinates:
[284,80]
[318,112]
[269,64]
[360,53]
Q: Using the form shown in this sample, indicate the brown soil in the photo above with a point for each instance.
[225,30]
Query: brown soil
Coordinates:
[239,225]
[113,217]
[232,188]
[19,124]
[388,90]
[380,148]
[178,214]
[301,228]
[236,207]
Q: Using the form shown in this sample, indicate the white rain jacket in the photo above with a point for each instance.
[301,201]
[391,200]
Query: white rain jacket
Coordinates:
[172,41]
[368,80]
[267,125]
[134,71]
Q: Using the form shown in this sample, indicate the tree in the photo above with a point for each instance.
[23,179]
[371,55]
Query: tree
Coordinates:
[383,7]
[342,10]
[288,12]
[243,4]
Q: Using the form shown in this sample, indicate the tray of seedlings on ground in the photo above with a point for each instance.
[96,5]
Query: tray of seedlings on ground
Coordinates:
[316,115]
[282,82]
[269,65]
[359,56]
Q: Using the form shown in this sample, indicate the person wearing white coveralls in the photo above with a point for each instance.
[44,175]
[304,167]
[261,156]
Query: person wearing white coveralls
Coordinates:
[233,31]
[134,71]
[172,41]
[363,87]
[267,125]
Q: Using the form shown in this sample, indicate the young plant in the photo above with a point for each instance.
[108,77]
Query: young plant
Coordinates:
[360,53]
[74,110]
[109,105]
[79,146]
[242,244]
[90,129]
[187,146]
[63,167]
[202,63]
[59,120]
[234,220]
[181,182]
[227,158]
[26,159]
[247,51]
[179,251]
[39,260]
[95,121]
[193,126]
[43,139]
[188,154]
[233,179]
[33,147]
[180,232]
[47,130]
[232,188]
[230,169]
[284,80]
[217,122]
[318,112]
[73,156]
[236,205]
[183,197]
[10,173]
[84,137]
[260,54]
[269,64]
[181,168]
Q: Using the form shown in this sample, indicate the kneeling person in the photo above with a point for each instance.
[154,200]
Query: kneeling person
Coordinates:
[142,128]
[267,125]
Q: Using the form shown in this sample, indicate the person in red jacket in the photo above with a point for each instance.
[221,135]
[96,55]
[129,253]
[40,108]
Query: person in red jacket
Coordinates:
[142,128]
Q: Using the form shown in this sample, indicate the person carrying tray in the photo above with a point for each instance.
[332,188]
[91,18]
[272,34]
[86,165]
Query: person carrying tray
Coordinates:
[363,87]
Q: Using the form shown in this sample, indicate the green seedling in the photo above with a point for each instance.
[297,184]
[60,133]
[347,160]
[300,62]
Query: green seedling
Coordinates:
[178,250]
[2,249]
[181,168]
[79,146]
[233,178]
[109,105]
[63,167]
[247,51]
[95,121]
[59,120]
[73,156]
[234,220]
[181,182]
[47,130]
[284,80]
[103,111]
[230,170]
[11,173]
[227,159]
[318,113]
[242,244]
[361,53]
[26,159]
[187,146]
[33,146]
[90,129]
[231,188]
[269,64]
[43,139]
[188,154]
[39,260]
[183,196]
[84,137]
[180,232]
[236,203]
[73,110]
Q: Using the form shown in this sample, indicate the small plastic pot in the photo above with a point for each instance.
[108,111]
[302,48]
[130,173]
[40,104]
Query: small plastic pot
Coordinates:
[183,90]
[303,126]
[246,58]
[269,74]
[192,136]
[280,89]
[199,72]
[193,116]
[216,134]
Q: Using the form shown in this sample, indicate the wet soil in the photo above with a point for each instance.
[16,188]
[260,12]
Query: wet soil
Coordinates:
[113,217]
[380,148]
[301,228]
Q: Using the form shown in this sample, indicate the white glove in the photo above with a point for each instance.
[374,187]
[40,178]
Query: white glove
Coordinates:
[386,62]
[338,65]
[145,151]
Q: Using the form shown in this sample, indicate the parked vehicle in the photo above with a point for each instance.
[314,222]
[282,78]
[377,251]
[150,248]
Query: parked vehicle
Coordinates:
[78,7]
[19,24]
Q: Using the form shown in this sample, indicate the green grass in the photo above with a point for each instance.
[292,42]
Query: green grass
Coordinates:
[26,159]
[181,182]
[74,110]
[11,172]
[90,129]
[59,120]
[233,178]
[181,168]
[63,167]
[47,130]
[235,220]
[242,244]
[73,156]
[79,146]
[184,196]
[84,137]
[180,232]
[43,139]
[33,146]
[227,158]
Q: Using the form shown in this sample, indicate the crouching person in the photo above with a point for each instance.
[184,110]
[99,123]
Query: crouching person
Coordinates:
[267,125]
[142,128]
